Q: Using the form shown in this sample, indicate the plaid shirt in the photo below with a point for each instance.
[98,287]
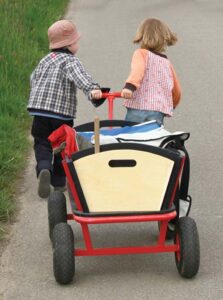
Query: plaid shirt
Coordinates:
[54,84]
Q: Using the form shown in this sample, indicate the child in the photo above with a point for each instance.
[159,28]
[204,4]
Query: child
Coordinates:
[53,101]
[152,89]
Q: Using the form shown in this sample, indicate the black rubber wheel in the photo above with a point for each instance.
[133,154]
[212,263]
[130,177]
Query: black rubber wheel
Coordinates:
[63,253]
[188,258]
[57,210]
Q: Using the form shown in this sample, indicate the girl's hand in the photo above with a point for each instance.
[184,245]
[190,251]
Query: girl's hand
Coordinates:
[126,93]
[96,94]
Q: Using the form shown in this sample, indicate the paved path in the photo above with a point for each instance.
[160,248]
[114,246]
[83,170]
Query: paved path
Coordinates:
[107,28]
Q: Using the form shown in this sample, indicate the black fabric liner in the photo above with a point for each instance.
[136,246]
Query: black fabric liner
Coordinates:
[173,155]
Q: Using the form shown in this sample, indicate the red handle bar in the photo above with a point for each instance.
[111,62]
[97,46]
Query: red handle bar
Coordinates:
[112,95]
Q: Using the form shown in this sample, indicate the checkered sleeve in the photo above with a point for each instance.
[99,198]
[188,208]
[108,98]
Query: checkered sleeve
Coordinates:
[76,73]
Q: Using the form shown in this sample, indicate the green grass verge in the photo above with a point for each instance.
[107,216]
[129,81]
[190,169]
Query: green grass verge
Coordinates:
[23,37]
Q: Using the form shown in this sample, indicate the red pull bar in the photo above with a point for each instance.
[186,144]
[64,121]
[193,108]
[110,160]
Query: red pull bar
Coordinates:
[111,97]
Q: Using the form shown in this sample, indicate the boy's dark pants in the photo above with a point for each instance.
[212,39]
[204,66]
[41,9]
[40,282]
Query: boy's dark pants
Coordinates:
[42,127]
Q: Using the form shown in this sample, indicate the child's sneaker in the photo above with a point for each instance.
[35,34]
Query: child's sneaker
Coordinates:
[44,183]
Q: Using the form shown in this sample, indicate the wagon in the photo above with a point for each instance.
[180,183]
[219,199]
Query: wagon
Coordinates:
[123,182]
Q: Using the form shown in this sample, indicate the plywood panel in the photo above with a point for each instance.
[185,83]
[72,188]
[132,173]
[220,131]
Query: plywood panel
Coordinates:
[138,188]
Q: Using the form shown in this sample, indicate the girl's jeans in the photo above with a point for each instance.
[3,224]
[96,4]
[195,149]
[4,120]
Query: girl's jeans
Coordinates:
[140,116]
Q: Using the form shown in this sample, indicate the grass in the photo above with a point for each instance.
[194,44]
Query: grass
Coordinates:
[23,37]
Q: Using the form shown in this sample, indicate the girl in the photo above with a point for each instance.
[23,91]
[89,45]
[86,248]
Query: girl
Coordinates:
[152,89]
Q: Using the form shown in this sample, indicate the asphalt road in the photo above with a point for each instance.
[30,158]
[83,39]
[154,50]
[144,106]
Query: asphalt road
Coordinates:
[108,27]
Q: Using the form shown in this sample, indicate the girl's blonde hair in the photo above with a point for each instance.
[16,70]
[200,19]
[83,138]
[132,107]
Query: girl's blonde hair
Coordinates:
[154,35]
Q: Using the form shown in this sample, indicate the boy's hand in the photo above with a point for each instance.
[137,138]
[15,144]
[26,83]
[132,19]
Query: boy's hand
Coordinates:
[126,93]
[96,94]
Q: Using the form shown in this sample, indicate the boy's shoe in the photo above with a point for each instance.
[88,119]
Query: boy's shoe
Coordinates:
[44,183]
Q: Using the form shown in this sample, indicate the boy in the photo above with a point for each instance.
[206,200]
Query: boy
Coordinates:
[53,101]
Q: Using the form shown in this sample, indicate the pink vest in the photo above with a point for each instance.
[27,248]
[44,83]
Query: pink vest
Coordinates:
[155,91]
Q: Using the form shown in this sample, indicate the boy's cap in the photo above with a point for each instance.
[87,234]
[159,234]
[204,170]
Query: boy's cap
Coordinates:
[62,33]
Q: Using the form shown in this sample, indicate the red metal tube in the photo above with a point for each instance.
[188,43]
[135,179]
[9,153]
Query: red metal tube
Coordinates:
[125,219]
[126,250]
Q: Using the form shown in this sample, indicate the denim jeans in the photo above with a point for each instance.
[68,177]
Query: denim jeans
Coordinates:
[140,116]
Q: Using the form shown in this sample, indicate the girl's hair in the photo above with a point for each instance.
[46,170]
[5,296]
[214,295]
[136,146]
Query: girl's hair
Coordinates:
[154,35]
